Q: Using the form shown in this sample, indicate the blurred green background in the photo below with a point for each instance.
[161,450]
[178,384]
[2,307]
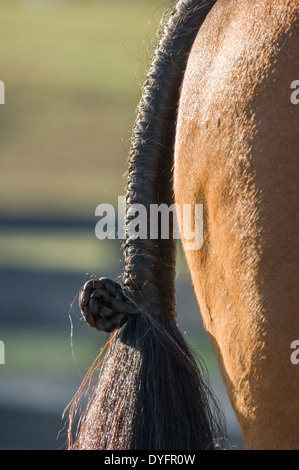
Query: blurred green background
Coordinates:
[73,72]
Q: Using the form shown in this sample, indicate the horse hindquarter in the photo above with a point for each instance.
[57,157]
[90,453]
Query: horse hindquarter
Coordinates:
[237,154]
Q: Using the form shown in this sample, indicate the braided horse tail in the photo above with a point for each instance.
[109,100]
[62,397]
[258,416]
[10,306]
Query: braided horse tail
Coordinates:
[150,393]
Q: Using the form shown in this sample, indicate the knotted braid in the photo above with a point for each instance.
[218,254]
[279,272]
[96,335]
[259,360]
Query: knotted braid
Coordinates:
[105,305]
[149,268]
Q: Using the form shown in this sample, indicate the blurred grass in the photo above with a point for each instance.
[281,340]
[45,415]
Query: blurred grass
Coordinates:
[73,77]
[48,352]
[63,251]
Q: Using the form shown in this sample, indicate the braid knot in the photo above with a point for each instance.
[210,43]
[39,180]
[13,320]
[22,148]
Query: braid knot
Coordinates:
[105,305]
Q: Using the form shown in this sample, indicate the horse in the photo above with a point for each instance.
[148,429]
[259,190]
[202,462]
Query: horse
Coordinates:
[215,126]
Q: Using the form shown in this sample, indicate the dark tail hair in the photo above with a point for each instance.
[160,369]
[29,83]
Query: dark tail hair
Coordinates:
[150,393]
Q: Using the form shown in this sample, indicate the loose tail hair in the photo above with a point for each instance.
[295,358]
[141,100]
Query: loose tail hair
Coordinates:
[150,393]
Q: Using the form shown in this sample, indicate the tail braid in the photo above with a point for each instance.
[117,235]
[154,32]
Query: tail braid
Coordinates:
[149,272]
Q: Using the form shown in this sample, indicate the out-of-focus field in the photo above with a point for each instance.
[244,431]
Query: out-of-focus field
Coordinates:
[73,72]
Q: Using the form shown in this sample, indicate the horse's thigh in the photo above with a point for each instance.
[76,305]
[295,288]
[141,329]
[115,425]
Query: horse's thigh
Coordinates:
[237,154]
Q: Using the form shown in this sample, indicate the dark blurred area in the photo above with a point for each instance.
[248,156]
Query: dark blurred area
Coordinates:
[73,71]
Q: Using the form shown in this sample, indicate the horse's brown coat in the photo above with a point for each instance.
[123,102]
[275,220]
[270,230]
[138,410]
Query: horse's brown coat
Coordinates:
[236,153]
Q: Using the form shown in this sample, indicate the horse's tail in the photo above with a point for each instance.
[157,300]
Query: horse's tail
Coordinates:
[150,393]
